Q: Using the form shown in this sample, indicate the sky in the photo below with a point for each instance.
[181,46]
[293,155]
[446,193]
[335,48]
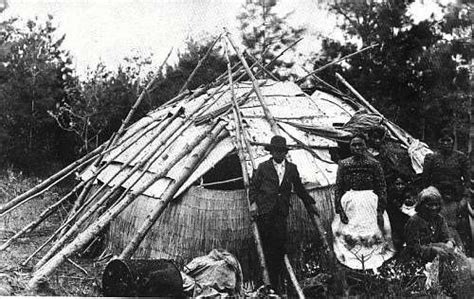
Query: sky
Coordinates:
[109,30]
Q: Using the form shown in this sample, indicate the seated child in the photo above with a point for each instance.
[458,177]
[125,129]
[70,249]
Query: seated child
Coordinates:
[398,197]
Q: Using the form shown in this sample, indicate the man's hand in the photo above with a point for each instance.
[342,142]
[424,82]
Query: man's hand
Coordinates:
[343,217]
[253,210]
[380,221]
[450,244]
[312,209]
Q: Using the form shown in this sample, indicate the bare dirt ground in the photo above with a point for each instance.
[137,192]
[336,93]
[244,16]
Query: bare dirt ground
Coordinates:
[69,280]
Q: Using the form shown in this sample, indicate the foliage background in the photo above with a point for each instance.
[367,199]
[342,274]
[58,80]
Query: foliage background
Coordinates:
[418,76]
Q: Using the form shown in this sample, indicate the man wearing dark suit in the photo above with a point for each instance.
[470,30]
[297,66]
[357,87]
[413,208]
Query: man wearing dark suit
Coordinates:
[269,194]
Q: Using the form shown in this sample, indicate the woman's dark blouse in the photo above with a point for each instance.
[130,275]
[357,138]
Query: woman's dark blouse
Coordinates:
[360,174]
[421,234]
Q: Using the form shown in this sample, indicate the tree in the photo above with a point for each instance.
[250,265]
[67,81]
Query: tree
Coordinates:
[266,33]
[94,107]
[411,77]
[35,70]
[176,76]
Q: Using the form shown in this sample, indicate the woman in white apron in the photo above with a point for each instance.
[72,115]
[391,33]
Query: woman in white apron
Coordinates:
[362,235]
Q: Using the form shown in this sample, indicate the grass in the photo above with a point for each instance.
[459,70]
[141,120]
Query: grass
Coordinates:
[397,278]
[69,280]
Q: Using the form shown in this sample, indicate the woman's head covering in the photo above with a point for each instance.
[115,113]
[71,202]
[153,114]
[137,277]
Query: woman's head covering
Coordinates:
[427,195]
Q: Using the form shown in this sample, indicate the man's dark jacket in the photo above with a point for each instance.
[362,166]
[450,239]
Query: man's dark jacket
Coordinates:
[270,196]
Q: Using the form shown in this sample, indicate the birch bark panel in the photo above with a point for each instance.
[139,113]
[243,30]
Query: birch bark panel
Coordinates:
[333,107]
[145,122]
[155,190]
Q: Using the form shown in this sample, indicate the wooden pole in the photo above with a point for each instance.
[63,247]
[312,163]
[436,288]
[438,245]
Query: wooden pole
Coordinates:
[246,179]
[202,90]
[268,116]
[235,69]
[167,196]
[225,108]
[139,100]
[75,227]
[79,208]
[293,279]
[50,182]
[43,216]
[310,150]
[82,239]
[50,239]
[276,131]
[260,97]
[336,61]
[372,108]
[243,143]
[256,62]
[223,75]
[160,127]
[204,118]
[80,199]
[190,119]
[58,177]
[236,73]
[179,129]
[173,134]
[199,64]
[334,89]
[283,52]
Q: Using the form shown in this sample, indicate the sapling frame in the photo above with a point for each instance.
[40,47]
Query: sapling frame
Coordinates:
[211,140]
[43,216]
[83,238]
[179,128]
[51,181]
[61,230]
[60,242]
